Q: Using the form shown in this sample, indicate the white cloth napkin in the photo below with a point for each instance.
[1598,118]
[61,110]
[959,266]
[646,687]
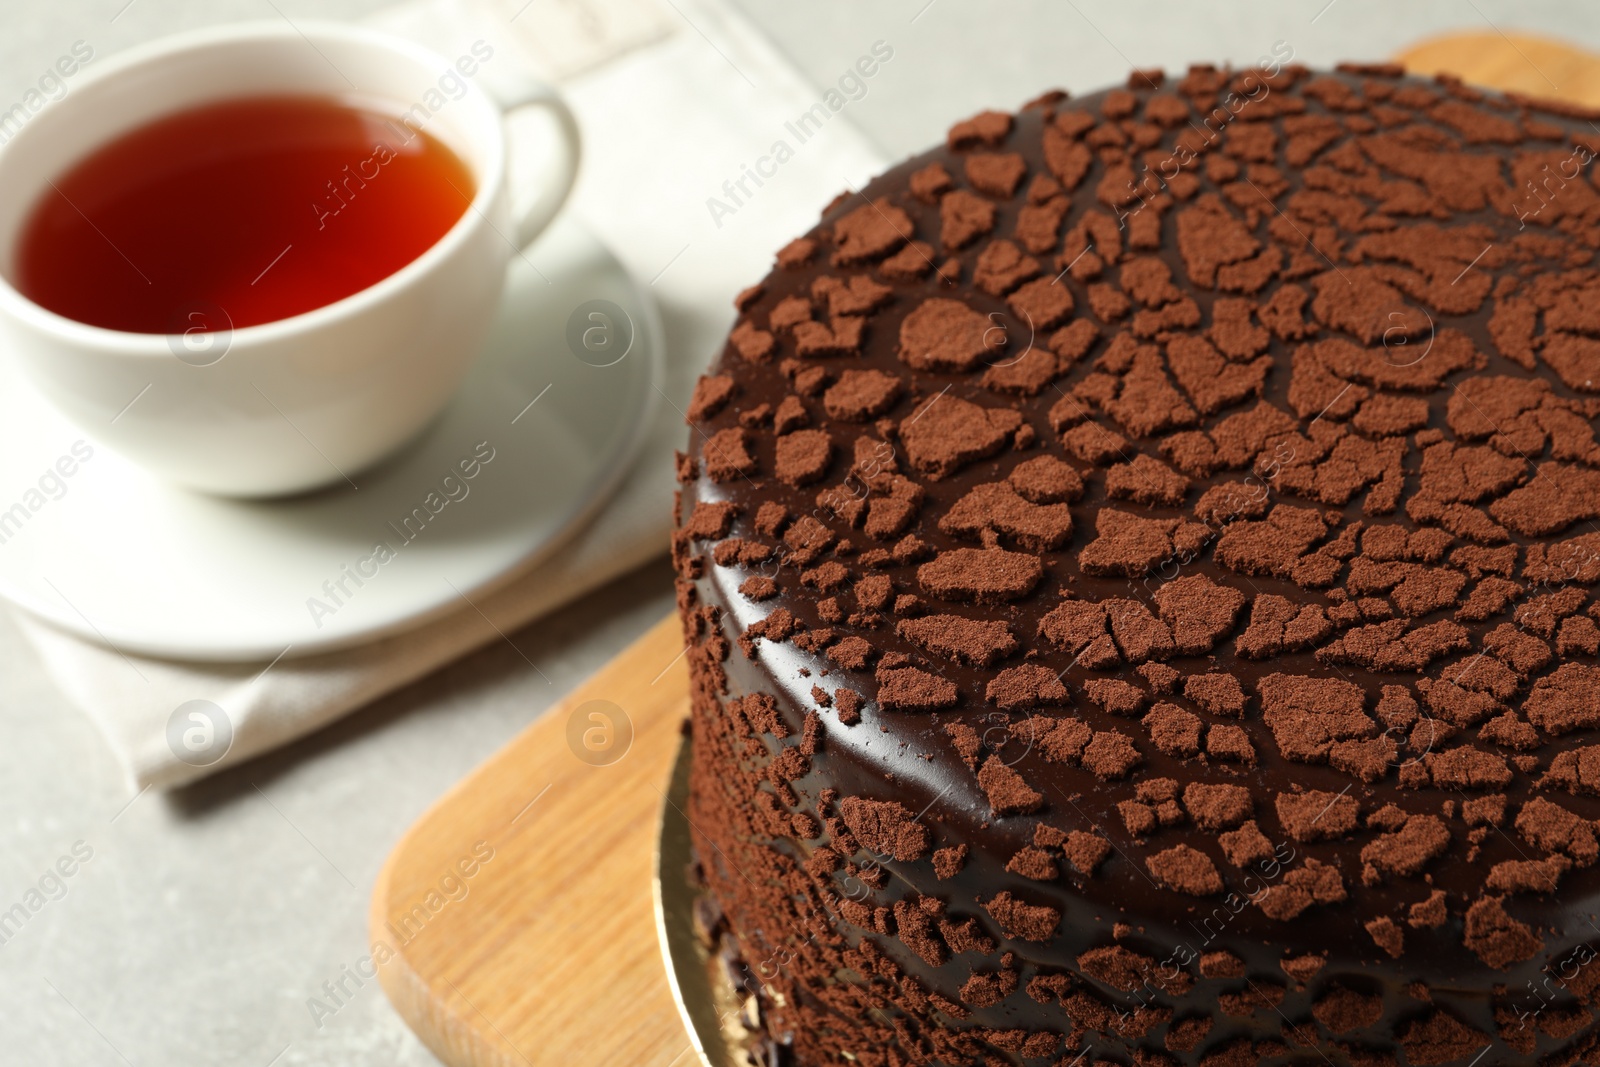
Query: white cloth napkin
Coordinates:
[675,99]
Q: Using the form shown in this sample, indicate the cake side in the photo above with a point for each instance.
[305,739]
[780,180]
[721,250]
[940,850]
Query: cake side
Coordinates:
[1137,560]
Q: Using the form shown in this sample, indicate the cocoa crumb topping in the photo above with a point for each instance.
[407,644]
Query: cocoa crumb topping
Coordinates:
[1183,518]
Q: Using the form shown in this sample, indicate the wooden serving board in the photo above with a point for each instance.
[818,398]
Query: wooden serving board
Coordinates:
[1535,66]
[547,952]
[551,955]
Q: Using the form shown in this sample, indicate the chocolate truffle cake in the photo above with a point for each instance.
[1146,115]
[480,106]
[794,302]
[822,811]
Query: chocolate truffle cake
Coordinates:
[1137,561]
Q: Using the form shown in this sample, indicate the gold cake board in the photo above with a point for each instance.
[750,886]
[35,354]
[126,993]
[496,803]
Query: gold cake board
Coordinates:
[547,952]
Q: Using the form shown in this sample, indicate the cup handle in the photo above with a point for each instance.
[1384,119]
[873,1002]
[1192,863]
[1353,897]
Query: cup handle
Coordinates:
[534,217]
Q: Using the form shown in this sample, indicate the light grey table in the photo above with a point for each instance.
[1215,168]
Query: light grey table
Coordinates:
[203,924]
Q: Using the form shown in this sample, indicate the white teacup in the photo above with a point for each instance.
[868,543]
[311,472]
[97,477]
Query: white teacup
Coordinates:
[309,400]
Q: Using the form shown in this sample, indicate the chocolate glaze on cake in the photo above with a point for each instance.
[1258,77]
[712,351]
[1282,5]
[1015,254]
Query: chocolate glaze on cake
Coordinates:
[1137,564]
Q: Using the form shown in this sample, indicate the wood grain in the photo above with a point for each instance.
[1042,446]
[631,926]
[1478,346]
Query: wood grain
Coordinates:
[1516,62]
[551,957]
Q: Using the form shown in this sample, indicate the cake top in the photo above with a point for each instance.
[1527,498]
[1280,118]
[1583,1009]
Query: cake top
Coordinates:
[1191,490]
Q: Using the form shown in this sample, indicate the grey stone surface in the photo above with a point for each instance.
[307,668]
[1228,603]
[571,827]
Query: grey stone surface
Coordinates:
[953,58]
[203,923]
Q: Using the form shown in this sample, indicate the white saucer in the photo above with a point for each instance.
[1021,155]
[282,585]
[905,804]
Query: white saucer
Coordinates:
[125,559]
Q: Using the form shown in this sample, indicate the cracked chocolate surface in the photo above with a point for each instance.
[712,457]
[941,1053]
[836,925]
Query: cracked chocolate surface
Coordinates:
[1138,566]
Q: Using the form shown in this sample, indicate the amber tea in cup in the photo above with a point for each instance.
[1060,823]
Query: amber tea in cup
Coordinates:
[261,208]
